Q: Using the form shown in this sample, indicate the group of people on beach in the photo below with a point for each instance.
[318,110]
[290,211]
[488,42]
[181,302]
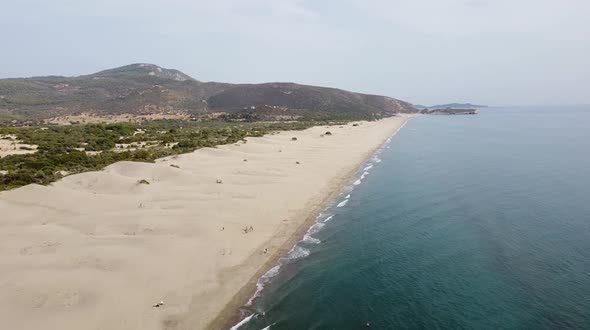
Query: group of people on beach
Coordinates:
[246,229]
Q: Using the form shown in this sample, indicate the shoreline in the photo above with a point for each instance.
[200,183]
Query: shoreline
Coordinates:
[231,313]
[97,250]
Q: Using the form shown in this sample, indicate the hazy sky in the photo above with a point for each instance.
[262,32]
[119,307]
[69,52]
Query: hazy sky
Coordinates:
[422,51]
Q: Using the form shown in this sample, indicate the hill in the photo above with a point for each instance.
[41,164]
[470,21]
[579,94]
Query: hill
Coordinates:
[140,70]
[142,89]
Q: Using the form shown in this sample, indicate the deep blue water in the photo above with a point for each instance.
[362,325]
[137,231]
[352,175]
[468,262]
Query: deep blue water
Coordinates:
[468,222]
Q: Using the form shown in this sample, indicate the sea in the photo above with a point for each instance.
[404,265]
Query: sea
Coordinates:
[457,222]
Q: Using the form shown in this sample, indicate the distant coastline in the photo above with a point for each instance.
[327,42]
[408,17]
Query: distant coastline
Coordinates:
[449,111]
[450,105]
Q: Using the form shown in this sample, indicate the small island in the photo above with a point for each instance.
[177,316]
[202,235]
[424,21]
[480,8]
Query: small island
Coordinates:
[458,106]
[449,111]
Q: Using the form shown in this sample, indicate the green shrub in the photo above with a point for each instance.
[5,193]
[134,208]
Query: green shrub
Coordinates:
[57,145]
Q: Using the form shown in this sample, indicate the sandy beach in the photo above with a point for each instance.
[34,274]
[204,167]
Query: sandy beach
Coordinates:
[97,250]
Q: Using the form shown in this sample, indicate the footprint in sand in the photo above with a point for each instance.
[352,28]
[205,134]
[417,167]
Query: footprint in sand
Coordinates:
[94,262]
[45,247]
[39,301]
[60,298]
[68,298]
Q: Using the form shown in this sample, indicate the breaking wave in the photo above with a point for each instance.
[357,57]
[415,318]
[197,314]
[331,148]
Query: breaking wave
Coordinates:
[297,252]
[242,322]
[315,228]
[341,204]
[262,282]
[310,240]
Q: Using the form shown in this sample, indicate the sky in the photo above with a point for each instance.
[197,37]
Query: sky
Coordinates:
[497,52]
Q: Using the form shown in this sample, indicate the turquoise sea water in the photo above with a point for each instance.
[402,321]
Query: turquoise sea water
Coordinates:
[462,222]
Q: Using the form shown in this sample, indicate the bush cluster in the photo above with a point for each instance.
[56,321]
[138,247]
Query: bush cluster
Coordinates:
[64,148]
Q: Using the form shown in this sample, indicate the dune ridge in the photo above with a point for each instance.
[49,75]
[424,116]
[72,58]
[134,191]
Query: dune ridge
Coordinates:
[97,250]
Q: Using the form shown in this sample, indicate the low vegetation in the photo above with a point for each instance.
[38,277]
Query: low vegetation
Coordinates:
[80,148]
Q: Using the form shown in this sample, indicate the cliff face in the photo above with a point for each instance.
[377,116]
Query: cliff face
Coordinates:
[147,88]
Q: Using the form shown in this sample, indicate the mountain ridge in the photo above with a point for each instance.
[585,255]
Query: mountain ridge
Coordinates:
[144,88]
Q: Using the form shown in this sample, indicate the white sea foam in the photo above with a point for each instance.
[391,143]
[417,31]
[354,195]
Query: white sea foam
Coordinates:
[341,204]
[310,240]
[347,196]
[315,228]
[347,189]
[242,322]
[329,218]
[357,182]
[267,328]
[262,282]
[368,167]
[297,252]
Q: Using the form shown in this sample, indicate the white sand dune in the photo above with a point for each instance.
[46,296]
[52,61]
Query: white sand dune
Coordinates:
[97,250]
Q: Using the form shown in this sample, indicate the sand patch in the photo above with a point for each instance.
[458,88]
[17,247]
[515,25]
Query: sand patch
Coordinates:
[107,119]
[9,145]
